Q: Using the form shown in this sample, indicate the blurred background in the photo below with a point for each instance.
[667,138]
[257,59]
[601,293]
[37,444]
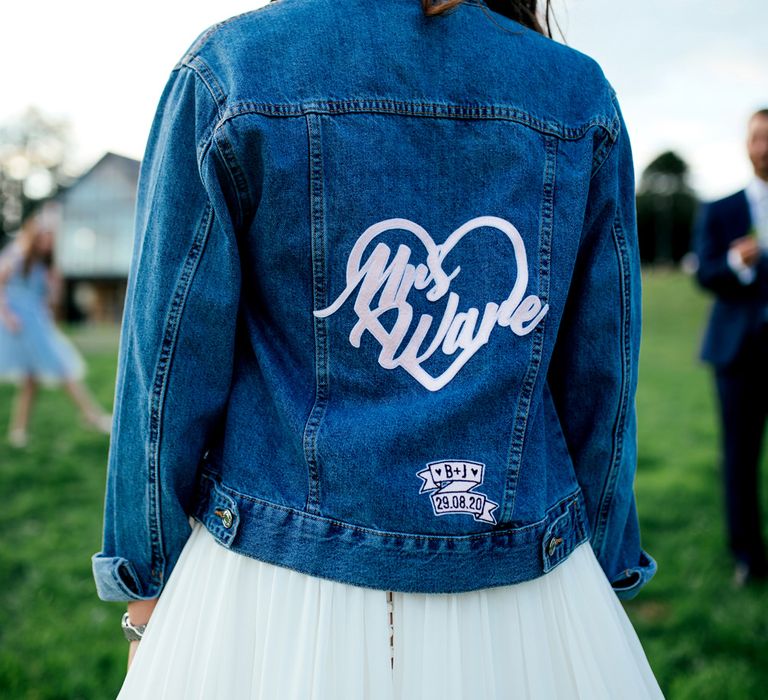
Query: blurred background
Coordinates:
[80,83]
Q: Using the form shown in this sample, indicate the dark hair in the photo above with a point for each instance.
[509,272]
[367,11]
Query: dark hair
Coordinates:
[523,11]
[760,113]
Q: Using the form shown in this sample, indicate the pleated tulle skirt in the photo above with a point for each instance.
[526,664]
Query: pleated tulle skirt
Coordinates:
[229,626]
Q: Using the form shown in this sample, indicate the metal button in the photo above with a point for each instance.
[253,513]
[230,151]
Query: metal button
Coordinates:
[226,517]
[553,543]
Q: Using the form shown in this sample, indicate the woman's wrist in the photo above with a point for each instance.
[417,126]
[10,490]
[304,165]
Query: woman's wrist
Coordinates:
[139,611]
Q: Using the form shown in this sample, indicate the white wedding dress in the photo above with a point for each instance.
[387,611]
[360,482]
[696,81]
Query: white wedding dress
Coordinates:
[233,627]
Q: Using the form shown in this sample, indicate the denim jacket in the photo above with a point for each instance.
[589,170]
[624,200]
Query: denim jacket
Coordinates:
[382,320]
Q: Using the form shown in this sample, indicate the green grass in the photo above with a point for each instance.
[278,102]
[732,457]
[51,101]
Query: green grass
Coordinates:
[57,640]
[704,640]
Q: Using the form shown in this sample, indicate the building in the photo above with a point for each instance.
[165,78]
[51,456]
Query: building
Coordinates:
[93,219]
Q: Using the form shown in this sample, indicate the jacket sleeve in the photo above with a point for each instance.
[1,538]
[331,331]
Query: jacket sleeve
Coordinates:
[594,368]
[175,356]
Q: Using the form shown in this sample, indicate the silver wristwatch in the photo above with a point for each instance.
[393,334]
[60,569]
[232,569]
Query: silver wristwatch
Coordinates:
[133,633]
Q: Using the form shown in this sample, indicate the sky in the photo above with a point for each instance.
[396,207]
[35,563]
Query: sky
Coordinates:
[688,73]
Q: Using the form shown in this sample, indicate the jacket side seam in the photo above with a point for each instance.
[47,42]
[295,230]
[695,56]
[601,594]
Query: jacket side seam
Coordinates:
[234,171]
[320,301]
[608,142]
[606,498]
[515,452]
[601,154]
[214,134]
[159,384]
[203,71]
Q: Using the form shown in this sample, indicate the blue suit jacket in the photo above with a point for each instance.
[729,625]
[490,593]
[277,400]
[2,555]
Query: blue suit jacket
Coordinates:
[738,309]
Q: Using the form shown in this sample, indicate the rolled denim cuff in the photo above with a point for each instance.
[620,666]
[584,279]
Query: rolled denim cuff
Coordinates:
[116,580]
[629,582]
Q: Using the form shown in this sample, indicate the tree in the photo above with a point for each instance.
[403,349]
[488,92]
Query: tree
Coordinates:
[666,207]
[34,152]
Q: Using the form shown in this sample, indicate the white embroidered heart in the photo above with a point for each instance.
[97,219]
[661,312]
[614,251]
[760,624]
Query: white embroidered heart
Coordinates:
[397,278]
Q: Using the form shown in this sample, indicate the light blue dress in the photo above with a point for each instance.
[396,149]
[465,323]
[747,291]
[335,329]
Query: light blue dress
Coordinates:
[38,347]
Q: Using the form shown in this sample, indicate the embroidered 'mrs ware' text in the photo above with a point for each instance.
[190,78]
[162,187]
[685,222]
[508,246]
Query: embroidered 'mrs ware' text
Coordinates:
[392,279]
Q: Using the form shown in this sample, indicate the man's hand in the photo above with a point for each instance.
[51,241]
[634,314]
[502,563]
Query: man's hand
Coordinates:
[748,249]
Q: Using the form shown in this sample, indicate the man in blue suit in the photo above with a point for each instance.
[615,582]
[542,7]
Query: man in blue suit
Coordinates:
[731,241]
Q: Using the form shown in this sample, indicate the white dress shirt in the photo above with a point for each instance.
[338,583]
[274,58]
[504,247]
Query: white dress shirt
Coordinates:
[757,197]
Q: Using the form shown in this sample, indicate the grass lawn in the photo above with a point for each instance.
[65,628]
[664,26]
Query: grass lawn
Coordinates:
[704,640]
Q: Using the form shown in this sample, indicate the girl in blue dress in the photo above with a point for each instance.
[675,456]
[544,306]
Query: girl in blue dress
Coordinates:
[33,350]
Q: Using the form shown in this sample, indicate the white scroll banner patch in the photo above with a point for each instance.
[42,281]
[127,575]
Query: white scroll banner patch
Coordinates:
[451,482]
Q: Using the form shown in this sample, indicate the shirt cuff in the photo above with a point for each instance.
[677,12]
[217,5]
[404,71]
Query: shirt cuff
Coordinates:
[744,272]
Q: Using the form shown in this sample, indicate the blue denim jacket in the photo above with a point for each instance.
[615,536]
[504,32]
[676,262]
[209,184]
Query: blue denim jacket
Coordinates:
[382,320]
